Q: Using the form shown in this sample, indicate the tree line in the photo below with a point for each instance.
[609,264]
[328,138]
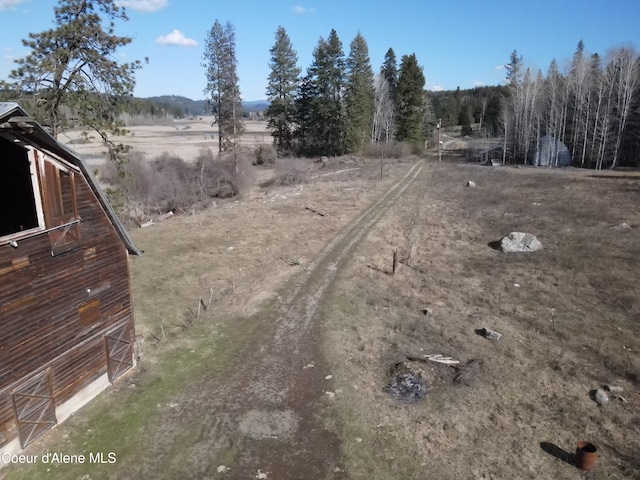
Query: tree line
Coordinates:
[593,107]
[337,106]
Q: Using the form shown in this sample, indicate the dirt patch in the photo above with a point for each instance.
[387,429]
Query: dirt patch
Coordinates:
[260,424]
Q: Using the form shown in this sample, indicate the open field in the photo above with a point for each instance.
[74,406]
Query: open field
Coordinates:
[283,374]
[184,138]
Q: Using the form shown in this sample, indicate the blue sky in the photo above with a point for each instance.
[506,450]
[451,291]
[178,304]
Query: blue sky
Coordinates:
[459,43]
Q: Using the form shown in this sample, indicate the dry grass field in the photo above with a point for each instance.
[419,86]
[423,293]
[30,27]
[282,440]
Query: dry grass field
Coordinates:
[569,315]
[184,138]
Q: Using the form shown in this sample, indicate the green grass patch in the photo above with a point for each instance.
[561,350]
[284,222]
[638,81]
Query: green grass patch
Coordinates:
[116,421]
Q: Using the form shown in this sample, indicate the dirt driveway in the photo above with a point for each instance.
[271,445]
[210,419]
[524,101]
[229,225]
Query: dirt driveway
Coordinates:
[243,400]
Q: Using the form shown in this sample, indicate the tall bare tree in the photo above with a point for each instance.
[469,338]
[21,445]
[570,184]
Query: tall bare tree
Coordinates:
[382,128]
[623,63]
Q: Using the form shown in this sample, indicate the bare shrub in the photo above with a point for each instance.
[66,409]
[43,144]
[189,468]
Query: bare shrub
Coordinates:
[265,154]
[289,171]
[168,183]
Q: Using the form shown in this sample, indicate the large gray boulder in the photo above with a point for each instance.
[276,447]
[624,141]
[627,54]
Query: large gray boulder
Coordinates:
[519,242]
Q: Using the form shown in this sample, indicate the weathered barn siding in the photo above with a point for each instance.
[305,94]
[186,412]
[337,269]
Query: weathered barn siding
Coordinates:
[61,315]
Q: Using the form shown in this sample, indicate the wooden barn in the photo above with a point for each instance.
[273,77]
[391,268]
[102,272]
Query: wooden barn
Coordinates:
[66,323]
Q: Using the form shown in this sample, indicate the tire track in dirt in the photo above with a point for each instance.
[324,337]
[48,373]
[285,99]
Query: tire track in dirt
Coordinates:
[263,412]
[286,436]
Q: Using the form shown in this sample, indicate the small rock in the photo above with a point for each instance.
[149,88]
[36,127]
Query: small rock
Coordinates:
[471,183]
[517,285]
[222,469]
[231,248]
[328,377]
[358,440]
[623,227]
[331,395]
[490,334]
[427,311]
[310,365]
[261,475]
[601,397]
[519,242]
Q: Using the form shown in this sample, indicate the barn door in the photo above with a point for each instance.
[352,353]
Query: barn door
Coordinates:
[119,351]
[34,408]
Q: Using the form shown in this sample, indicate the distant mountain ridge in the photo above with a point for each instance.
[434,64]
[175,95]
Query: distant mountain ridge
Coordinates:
[199,107]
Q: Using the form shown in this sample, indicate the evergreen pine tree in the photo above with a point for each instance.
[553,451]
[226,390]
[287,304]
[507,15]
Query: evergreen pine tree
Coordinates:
[359,98]
[389,71]
[411,106]
[222,84]
[327,74]
[283,83]
[304,114]
[72,65]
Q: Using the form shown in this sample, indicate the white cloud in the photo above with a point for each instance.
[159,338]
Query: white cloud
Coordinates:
[145,6]
[478,83]
[301,10]
[8,54]
[10,4]
[436,88]
[176,38]
[499,67]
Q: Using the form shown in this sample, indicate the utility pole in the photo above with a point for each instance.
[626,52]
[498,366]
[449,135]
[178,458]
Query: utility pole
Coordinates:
[439,126]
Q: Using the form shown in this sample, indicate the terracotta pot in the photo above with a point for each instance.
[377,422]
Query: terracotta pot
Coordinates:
[586,455]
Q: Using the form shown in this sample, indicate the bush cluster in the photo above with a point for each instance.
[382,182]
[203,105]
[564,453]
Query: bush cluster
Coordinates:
[169,183]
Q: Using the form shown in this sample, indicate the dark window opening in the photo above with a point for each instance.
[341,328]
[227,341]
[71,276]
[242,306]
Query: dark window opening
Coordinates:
[17,200]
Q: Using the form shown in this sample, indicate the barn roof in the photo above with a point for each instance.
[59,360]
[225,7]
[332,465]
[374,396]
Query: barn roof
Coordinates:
[39,137]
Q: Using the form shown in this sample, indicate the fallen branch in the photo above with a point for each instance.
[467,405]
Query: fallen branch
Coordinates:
[165,216]
[290,263]
[438,358]
[314,211]
[335,173]
[441,359]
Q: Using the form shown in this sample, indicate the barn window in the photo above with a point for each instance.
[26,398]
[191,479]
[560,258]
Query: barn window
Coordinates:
[60,210]
[20,208]
[37,195]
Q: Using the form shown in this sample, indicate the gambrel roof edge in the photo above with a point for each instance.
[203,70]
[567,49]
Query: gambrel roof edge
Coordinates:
[39,137]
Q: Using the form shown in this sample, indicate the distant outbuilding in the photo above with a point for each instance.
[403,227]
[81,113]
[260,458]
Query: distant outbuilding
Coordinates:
[550,152]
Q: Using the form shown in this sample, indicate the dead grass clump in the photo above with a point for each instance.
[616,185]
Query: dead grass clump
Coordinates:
[289,171]
[265,154]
